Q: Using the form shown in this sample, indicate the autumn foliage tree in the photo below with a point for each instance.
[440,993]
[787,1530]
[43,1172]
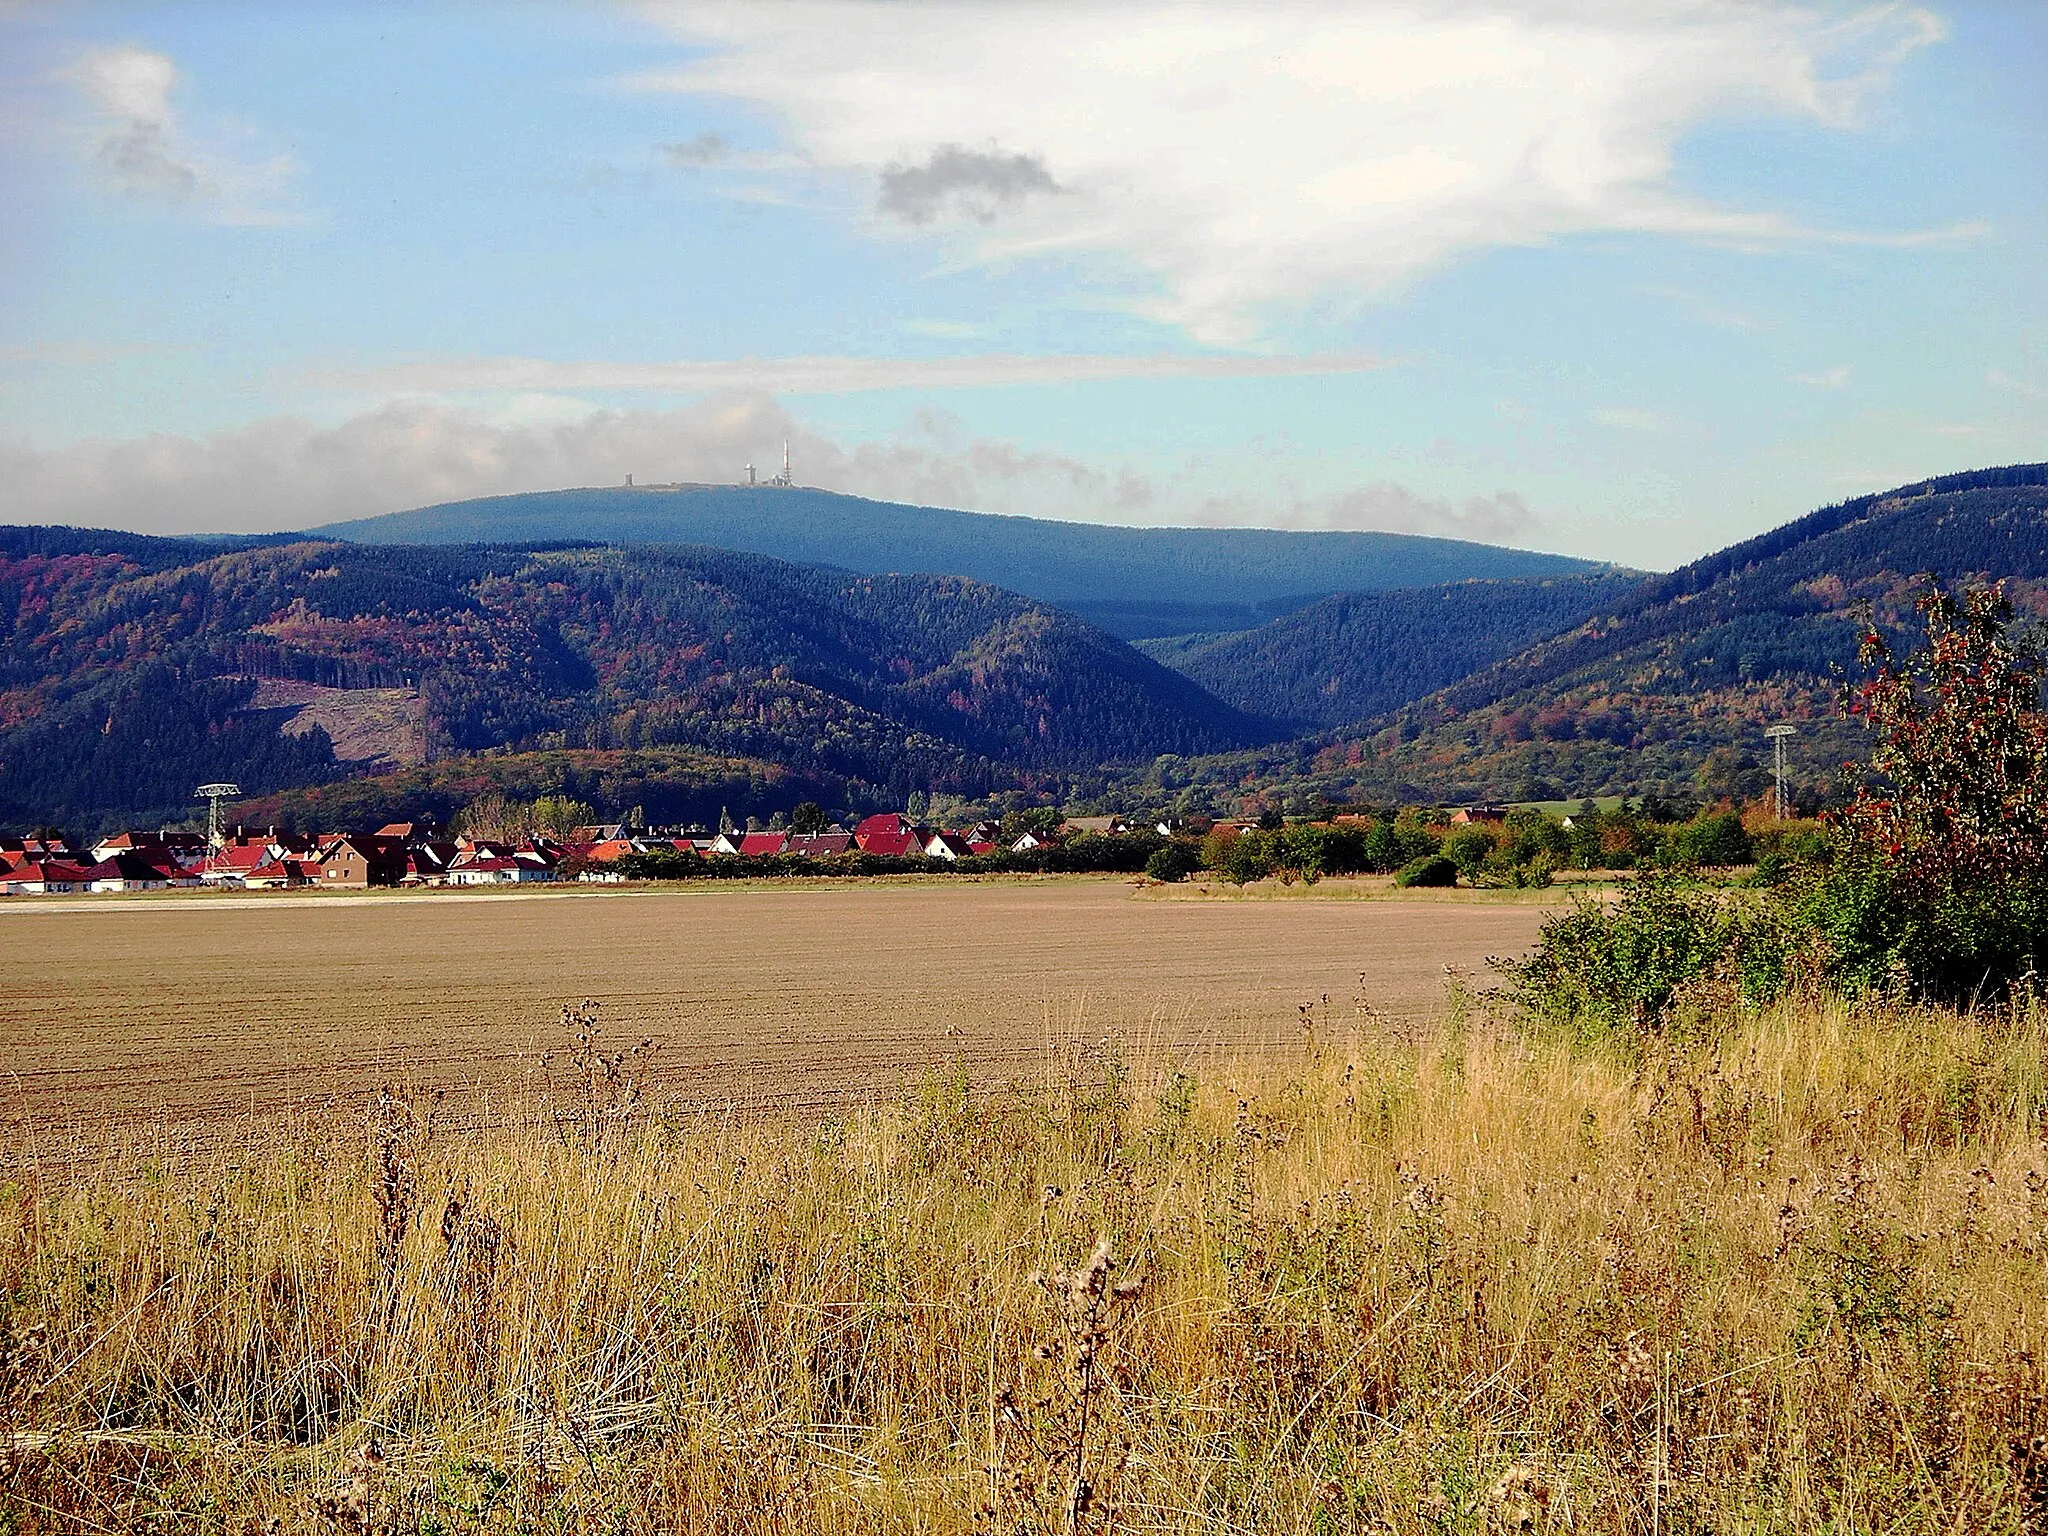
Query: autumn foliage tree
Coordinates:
[1943,873]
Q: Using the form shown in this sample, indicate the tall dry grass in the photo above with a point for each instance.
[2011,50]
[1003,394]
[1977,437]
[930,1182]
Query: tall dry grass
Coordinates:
[1787,1278]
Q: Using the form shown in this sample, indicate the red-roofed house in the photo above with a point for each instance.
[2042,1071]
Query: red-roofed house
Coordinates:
[49,877]
[282,874]
[763,845]
[500,869]
[16,850]
[125,871]
[188,845]
[889,834]
[819,845]
[172,867]
[356,863]
[230,865]
[1477,814]
[948,846]
[427,864]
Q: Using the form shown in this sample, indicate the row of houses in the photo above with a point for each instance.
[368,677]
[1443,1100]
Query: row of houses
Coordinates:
[403,854]
[888,835]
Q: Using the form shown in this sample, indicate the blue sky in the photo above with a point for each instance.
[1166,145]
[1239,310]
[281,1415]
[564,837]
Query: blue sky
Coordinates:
[1625,280]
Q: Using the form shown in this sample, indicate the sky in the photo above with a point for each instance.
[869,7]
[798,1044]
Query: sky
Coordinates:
[1627,280]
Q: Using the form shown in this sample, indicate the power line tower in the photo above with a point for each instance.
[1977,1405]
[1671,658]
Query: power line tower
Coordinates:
[213,794]
[1776,736]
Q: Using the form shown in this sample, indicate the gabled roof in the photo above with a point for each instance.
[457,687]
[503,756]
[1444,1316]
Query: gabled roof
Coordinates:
[126,865]
[893,845]
[286,869]
[941,844]
[51,870]
[819,845]
[757,845]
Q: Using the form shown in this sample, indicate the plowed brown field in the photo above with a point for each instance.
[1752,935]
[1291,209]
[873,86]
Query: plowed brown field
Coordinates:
[138,1009]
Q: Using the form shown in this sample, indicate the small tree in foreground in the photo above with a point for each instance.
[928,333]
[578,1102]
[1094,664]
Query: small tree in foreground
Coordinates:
[1944,872]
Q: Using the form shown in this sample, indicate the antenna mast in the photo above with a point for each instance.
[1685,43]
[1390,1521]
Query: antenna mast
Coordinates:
[1776,736]
[213,794]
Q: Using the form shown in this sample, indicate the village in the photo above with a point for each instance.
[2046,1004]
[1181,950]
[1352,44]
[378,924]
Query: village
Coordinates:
[410,854]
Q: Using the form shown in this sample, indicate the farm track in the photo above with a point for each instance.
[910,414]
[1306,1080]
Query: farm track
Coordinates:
[181,1014]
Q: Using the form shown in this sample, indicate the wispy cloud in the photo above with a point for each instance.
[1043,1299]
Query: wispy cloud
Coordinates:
[141,148]
[1224,168]
[827,375]
[1827,378]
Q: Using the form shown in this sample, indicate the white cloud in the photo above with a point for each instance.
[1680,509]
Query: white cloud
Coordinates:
[829,375]
[286,473]
[1828,378]
[141,148]
[1225,167]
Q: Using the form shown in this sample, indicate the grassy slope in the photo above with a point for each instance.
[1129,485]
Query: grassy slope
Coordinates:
[1788,1281]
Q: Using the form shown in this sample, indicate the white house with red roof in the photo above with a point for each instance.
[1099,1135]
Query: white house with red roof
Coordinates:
[46,877]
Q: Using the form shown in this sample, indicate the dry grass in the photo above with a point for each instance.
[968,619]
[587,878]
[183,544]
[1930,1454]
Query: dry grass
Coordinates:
[1462,1281]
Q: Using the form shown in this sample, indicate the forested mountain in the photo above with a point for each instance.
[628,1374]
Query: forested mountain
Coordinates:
[132,669]
[1667,688]
[1130,581]
[1361,654]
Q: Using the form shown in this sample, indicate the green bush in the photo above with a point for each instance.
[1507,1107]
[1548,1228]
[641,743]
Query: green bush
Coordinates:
[1619,967]
[1469,848]
[1248,858]
[1176,861]
[1715,841]
[659,864]
[1431,869]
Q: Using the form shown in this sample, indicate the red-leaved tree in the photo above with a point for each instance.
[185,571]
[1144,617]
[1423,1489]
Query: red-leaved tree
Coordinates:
[1951,855]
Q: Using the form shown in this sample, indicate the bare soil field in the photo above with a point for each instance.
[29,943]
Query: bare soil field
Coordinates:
[182,1010]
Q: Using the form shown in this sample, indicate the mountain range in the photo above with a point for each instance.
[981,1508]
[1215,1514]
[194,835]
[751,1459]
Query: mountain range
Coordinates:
[1664,685]
[338,679]
[135,668]
[1133,582]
